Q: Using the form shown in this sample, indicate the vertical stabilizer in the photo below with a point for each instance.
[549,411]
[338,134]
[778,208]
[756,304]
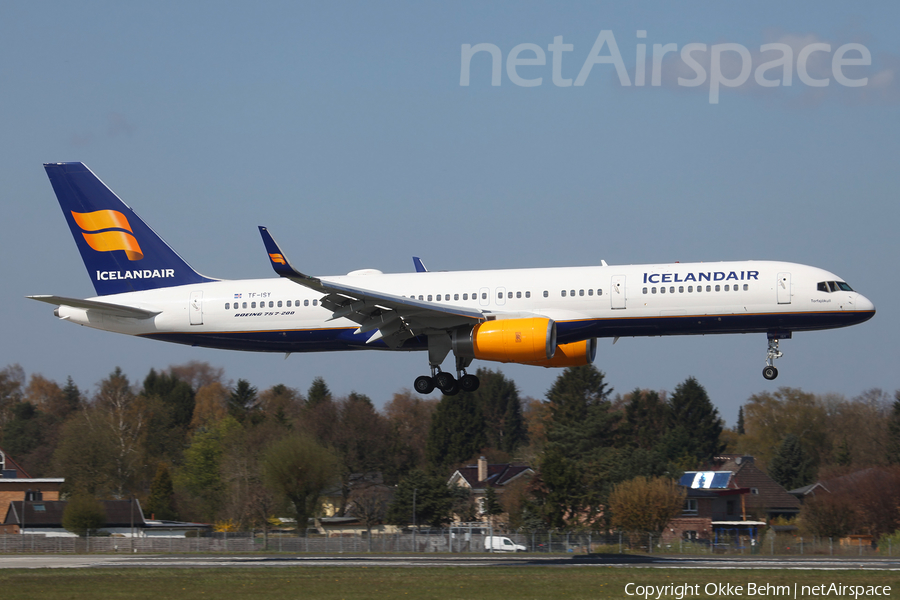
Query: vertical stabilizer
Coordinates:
[120,251]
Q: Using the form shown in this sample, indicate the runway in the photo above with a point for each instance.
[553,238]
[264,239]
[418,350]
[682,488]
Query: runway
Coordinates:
[72,561]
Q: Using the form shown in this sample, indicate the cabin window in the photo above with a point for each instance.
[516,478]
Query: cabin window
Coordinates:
[315,302]
[599,292]
[227,306]
[306,303]
[645,290]
[709,288]
[288,303]
[499,295]
[690,289]
[581,292]
[572,293]
[653,290]
[509,295]
[590,292]
[518,294]
[253,305]
[546,293]
[563,293]
[746,287]
[484,295]
[717,288]
[662,290]
[429,297]
[672,290]
[465,296]
[726,288]
[528,294]
[279,304]
[680,289]
[245,305]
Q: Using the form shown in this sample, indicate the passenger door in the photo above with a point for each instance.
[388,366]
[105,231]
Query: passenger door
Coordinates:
[195,308]
[617,292]
[783,288]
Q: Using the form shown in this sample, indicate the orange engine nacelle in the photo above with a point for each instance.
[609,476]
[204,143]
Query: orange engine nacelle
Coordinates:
[525,341]
[576,354]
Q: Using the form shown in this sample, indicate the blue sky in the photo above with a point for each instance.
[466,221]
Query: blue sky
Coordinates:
[343,127]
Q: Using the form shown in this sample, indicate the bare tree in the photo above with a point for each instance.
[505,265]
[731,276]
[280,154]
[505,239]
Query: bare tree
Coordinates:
[369,503]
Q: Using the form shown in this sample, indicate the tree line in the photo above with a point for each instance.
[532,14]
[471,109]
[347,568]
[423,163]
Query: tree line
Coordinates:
[192,446]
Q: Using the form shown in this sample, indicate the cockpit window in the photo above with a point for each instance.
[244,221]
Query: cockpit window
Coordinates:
[833,286]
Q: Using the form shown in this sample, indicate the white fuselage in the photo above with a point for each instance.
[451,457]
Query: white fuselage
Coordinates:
[585,302]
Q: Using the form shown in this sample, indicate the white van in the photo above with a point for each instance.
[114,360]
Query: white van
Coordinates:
[501,544]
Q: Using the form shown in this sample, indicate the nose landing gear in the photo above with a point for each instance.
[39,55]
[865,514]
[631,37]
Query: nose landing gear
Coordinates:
[769,371]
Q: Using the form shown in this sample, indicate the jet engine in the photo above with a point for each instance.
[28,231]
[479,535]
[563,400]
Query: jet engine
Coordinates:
[524,341]
[576,354]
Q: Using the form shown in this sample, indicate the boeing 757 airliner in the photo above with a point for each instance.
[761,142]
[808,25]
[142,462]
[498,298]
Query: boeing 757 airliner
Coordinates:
[543,317]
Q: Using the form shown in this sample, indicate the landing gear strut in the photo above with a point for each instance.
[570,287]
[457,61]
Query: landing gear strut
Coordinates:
[769,371]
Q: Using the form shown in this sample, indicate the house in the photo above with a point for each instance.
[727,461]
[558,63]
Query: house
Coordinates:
[731,499]
[17,486]
[368,499]
[767,499]
[480,476]
[124,518]
[809,491]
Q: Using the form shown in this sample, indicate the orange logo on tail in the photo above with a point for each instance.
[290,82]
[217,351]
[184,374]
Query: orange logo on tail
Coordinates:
[277,258]
[107,241]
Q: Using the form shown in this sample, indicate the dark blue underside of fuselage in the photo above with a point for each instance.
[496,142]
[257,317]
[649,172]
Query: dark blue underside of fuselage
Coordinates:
[325,340]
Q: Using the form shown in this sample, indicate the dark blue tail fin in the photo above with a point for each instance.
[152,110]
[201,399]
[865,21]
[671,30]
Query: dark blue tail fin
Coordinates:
[121,253]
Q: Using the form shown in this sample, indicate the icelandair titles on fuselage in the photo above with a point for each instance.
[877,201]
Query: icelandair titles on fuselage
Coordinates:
[708,276]
[136,274]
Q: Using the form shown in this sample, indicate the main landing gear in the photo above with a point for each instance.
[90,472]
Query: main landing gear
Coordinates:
[769,371]
[444,381]
[447,383]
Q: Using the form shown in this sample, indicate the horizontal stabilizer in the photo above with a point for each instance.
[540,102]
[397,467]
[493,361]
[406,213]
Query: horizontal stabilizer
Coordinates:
[116,310]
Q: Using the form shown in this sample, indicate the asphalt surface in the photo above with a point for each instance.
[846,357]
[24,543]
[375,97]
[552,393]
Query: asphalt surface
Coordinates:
[60,561]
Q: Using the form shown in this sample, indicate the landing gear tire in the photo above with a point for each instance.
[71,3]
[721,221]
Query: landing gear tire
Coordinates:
[424,384]
[469,383]
[770,373]
[446,383]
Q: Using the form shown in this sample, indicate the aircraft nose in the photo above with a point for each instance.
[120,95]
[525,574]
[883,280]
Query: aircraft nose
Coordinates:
[864,304]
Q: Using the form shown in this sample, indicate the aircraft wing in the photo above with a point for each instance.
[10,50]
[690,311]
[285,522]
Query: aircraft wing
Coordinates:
[396,318]
[116,310]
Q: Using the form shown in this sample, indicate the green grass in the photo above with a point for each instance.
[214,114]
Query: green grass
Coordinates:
[326,583]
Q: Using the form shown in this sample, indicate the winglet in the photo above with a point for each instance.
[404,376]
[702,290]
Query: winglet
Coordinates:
[420,266]
[280,263]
